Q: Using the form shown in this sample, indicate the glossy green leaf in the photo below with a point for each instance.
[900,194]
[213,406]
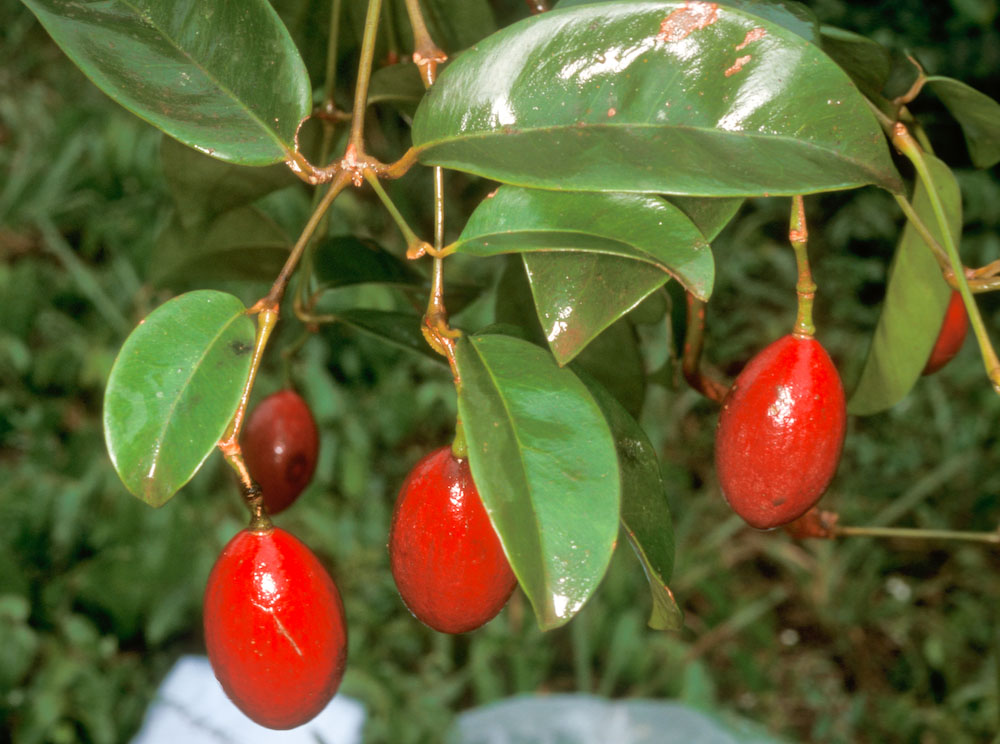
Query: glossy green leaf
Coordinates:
[978,115]
[667,97]
[397,328]
[203,187]
[243,245]
[458,24]
[645,513]
[866,61]
[709,215]
[573,245]
[174,388]
[223,77]
[915,301]
[344,260]
[544,463]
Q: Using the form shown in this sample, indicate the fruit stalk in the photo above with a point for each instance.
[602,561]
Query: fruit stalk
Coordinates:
[805,287]
[694,338]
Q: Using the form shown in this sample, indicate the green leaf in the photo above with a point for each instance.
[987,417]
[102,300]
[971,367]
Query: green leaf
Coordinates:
[664,97]
[397,328]
[243,244]
[174,388]
[615,360]
[204,187]
[574,244]
[223,77]
[866,61]
[458,24]
[544,463]
[915,301]
[796,17]
[398,85]
[977,113]
[645,513]
[709,215]
[345,260]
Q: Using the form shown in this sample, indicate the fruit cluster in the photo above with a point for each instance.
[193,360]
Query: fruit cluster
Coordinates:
[274,620]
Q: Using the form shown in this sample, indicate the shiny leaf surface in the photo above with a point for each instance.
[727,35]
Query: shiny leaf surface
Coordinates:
[915,301]
[174,388]
[977,113]
[668,97]
[645,513]
[544,462]
[590,257]
[222,77]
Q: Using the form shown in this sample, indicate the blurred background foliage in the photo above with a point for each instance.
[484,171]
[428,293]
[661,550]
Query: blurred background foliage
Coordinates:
[854,641]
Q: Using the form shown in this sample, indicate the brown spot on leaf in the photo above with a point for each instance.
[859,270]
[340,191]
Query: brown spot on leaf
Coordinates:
[754,34]
[738,65]
[681,23]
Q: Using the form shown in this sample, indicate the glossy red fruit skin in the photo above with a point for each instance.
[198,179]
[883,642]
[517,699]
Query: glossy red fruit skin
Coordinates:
[781,432]
[280,447]
[446,558]
[950,338]
[274,628]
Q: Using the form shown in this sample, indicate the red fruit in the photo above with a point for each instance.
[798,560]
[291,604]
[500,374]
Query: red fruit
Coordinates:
[781,432]
[446,558]
[951,336]
[280,446]
[274,628]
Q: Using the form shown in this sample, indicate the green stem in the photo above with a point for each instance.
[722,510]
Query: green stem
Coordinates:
[918,224]
[330,85]
[413,243]
[364,74]
[914,533]
[905,143]
[805,287]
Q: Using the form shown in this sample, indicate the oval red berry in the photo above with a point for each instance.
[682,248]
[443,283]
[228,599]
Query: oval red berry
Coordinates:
[446,558]
[781,432]
[274,628]
[280,447]
[954,327]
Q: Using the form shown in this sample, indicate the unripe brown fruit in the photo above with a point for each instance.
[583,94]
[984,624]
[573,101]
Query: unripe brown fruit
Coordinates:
[274,628]
[951,336]
[280,446]
[446,558]
[780,433]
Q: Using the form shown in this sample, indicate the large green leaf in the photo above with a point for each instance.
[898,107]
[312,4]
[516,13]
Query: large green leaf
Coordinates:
[668,97]
[544,463]
[224,77]
[915,301]
[174,388]
[204,187]
[645,513]
[590,257]
[243,244]
[977,113]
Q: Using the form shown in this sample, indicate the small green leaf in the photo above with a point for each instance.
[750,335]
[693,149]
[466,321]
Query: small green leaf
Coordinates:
[645,513]
[915,301]
[173,390]
[398,85]
[866,61]
[544,463]
[345,260]
[204,187]
[653,97]
[574,244]
[223,77]
[243,245]
[977,113]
